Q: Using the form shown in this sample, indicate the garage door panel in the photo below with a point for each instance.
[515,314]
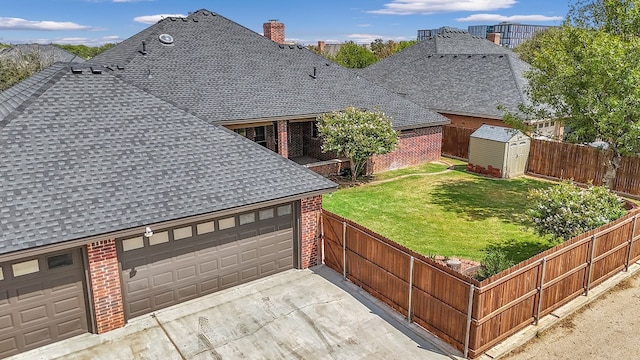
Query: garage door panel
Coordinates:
[37,337]
[33,314]
[4,297]
[231,251]
[8,346]
[30,291]
[71,327]
[69,304]
[6,322]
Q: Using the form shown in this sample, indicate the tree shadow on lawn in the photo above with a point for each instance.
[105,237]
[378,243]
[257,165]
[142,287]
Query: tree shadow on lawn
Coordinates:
[520,250]
[481,198]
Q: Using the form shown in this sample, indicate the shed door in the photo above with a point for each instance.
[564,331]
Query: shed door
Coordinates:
[518,156]
[182,263]
[42,300]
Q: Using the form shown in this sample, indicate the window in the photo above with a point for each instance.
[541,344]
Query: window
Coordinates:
[284,210]
[247,218]
[1,274]
[61,260]
[204,228]
[261,135]
[132,244]
[159,238]
[227,223]
[242,132]
[265,214]
[26,267]
[314,129]
[182,233]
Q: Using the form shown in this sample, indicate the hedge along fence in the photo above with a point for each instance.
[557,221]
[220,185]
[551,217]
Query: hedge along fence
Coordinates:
[583,164]
[473,316]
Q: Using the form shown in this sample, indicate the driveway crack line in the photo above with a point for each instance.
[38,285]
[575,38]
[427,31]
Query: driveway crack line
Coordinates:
[168,337]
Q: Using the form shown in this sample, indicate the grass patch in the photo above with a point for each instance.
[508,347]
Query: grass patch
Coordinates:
[450,214]
[428,168]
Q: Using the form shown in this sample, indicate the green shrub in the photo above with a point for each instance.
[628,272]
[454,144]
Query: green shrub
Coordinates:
[565,210]
[493,262]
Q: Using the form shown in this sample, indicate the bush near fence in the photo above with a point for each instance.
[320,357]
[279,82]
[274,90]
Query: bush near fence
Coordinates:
[473,316]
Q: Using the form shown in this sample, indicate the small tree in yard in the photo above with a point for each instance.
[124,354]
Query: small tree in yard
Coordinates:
[565,211]
[493,262]
[357,135]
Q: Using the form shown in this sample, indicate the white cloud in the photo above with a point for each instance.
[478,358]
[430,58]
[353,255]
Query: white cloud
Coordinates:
[7,23]
[369,38]
[409,7]
[364,25]
[152,19]
[513,18]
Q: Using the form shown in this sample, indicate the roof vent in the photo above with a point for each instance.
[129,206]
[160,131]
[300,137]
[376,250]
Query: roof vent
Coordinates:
[281,46]
[120,67]
[291,46]
[95,71]
[76,71]
[184,19]
[315,73]
[205,13]
[300,47]
[166,39]
[195,19]
[144,48]
[172,18]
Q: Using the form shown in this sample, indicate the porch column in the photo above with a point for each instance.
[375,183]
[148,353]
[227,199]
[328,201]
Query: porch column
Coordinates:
[283,138]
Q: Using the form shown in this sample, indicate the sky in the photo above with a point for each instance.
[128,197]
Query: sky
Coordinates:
[96,22]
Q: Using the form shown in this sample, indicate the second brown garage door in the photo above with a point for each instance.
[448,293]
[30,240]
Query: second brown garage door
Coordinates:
[182,263]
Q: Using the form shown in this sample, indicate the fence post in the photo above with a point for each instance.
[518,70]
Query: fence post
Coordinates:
[468,331]
[322,236]
[344,250]
[633,235]
[411,262]
[593,249]
[542,270]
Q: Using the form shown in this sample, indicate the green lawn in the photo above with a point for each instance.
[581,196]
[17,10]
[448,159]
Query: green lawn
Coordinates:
[450,214]
[428,168]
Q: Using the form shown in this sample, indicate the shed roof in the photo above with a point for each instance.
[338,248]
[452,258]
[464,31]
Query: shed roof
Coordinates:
[496,133]
[224,72]
[85,154]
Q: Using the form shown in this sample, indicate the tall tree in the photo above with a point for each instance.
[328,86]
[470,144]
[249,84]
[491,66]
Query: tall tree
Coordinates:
[352,55]
[357,135]
[528,50]
[15,69]
[588,75]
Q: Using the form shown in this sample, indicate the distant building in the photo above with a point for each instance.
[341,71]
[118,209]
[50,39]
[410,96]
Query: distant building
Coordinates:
[511,34]
[429,33]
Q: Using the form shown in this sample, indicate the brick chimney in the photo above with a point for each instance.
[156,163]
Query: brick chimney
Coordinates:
[274,30]
[321,46]
[494,38]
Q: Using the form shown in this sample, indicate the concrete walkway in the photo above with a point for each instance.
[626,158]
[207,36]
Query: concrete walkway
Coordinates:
[298,314]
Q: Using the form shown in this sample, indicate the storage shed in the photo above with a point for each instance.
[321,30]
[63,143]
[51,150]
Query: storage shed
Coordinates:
[498,151]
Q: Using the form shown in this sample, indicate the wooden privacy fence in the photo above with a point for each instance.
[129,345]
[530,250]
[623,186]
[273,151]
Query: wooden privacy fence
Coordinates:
[473,316]
[455,141]
[581,163]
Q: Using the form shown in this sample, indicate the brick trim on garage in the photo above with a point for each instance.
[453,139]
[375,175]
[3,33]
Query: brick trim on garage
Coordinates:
[415,147]
[105,285]
[310,215]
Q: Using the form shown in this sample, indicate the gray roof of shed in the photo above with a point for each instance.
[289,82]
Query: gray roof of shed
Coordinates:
[87,154]
[47,52]
[224,72]
[455,72]
[496,133]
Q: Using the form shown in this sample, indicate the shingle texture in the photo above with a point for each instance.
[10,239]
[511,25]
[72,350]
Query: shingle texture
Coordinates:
[48,53]
[86,154]
[496,133]
[456,73]
[221,71]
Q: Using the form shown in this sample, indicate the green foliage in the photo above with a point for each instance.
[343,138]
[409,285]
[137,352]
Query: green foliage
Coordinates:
[528,50]
[14,70]
[588,75]
[493,262]
[404,44]
[354,56]
[357,134]
[381,49]
[566,211]
[85,52]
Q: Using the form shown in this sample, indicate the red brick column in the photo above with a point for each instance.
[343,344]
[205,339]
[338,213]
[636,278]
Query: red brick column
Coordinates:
[283,138]
[105,285]
[310,216]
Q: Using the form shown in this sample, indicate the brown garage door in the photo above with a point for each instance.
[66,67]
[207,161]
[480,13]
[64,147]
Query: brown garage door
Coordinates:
[182,263]
[42,300]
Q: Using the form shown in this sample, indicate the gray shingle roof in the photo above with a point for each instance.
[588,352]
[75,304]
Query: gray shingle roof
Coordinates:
[48,53]
[86,154]
[496,133]
[457,73]
[221,71]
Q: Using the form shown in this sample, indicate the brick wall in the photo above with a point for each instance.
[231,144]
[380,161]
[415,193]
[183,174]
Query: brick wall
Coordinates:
[414,147]
[283,140]
[105,285]
[330,167]
[490,171]
[309,241]
[472,122]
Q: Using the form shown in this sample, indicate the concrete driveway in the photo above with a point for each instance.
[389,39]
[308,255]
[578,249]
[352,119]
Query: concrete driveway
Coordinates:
[298,314]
